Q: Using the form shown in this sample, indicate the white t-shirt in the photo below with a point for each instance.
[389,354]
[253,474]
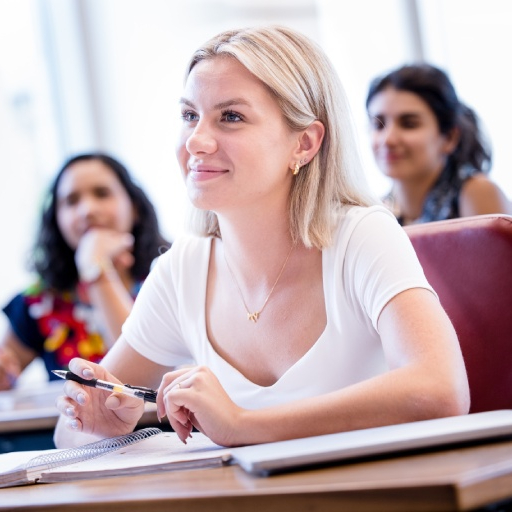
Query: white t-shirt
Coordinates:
[370,261]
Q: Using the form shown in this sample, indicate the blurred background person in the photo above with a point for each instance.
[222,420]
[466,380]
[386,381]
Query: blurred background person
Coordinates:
[98,237]
[430,144]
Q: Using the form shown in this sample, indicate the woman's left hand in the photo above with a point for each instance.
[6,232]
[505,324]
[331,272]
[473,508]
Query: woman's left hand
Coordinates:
[194,397]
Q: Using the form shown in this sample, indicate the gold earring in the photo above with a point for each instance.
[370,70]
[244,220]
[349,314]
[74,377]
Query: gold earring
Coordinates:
[296,170]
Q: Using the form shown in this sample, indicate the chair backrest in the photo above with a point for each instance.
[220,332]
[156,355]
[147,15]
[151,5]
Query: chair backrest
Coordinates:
[468,261]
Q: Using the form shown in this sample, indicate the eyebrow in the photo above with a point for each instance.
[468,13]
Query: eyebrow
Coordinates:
[221,105]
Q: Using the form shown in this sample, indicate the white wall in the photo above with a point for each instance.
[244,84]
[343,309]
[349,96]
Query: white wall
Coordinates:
[107,74]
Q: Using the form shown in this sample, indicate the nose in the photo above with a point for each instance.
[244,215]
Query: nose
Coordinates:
[201,140]
[386,136]
[389,134]
[88,206]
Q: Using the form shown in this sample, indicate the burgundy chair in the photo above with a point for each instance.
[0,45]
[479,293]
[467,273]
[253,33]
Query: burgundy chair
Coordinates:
[468,261]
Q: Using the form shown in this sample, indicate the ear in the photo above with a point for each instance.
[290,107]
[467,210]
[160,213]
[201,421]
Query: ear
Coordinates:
[309,143]
[452,139]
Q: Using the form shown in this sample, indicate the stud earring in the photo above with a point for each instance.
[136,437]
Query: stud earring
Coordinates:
[296,169]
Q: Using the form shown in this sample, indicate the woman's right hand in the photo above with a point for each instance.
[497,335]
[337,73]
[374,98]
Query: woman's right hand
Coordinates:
[10,368]
[105,245]
[95,411]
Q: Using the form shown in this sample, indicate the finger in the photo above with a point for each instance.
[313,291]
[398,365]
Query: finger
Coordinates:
[173,409]
[123,260]
[66,407]
[167,381]
[74,424]
[76,392]
[81,367]
[118,401]
[183,431]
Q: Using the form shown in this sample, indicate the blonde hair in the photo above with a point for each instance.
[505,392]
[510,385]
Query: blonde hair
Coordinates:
[303,81]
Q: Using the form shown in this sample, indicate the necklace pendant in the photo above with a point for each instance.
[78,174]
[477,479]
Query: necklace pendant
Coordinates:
[253,317]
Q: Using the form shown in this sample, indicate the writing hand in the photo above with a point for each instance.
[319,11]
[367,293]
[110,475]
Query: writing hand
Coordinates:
[94,411]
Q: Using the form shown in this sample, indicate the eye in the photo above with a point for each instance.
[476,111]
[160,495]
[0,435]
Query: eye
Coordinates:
[231,117]
[376,123]
[189,116]
[410,124]
[102,192]
[69,200]
[410,121]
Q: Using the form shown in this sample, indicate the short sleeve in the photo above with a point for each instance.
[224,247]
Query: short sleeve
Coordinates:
[153,326]
[380,262]
[24,326]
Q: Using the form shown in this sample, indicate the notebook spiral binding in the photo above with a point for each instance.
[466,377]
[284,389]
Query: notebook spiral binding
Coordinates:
[91,450]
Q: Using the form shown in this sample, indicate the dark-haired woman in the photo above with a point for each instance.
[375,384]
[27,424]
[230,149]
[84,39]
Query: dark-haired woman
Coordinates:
[98,237]
[430,144]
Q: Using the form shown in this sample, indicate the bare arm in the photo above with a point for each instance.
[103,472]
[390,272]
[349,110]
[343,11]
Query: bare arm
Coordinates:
[109,293]
[112,300]
[480,196]
[88,413]
[14,358]
[427,379]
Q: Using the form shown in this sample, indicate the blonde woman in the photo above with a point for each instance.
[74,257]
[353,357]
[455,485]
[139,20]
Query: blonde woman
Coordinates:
[299,301]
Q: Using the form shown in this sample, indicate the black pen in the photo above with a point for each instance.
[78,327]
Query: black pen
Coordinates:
[146,394]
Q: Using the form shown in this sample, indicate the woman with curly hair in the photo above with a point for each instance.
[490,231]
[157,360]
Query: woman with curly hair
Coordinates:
[98,236]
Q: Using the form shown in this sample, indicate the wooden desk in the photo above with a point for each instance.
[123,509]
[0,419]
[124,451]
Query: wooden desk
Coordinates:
[459,479]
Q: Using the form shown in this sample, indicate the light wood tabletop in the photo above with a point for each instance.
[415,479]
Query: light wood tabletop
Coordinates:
[466,478]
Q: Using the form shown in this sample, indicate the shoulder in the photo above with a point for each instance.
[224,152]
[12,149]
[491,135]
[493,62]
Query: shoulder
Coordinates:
[363,220]
[187,246]
[187,253]
[480,195]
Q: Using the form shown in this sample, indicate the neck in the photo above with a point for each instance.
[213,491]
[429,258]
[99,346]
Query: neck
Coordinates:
[410,195]
[255,246]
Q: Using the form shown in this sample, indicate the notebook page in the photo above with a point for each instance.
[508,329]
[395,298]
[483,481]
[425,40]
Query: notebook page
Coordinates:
[161,451]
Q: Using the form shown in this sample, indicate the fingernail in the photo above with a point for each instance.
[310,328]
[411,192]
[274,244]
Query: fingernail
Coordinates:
[70,412]
[80,398]
[88,373]
[73,424]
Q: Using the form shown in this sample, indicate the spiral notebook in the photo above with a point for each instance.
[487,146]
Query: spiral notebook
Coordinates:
[144,451]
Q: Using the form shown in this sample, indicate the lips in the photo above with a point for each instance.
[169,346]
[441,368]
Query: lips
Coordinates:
[388,157]
[205,172]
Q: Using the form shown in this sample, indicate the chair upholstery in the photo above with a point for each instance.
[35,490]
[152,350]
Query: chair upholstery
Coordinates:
[468,261]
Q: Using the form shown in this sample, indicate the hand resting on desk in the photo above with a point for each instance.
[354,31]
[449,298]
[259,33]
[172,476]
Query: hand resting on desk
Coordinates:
[194,397]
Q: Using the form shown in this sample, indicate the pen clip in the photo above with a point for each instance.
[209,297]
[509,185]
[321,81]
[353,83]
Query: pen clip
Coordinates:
[148,393]
[140,388]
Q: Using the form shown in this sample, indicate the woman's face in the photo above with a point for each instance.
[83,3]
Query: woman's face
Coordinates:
[90,195]
[405,136]
[235,148]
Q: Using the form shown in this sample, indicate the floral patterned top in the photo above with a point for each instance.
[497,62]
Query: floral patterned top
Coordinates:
[58,326]
[442,201]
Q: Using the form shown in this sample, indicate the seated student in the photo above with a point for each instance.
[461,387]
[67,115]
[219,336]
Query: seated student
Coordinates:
[431,146]
[299,301]
[98,237]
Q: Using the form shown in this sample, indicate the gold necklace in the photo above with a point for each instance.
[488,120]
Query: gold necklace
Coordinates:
[253,317]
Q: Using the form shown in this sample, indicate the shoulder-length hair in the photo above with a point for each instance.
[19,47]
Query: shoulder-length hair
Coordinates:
[54,260]
[303,81]
[434,87]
